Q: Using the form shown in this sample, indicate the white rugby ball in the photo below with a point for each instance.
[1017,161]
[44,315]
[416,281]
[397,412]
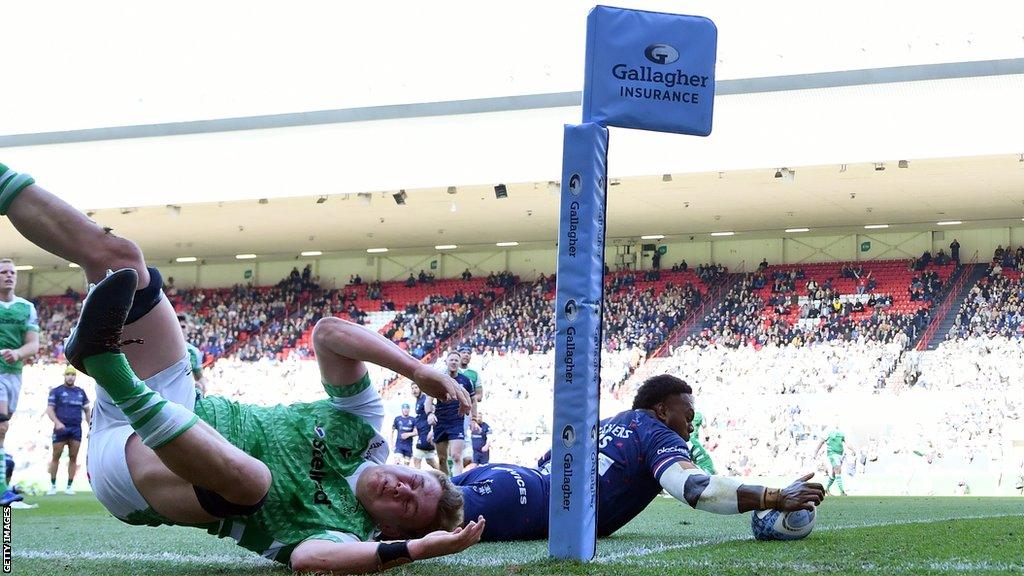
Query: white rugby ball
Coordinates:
[776,525]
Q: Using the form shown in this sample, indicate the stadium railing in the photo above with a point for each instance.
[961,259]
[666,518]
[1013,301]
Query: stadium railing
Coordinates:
[943,312]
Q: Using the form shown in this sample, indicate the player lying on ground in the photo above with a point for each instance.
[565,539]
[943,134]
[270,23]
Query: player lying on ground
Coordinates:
[640,453]
[300,484]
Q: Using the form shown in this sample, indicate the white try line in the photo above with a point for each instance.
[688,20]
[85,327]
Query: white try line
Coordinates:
[197,559]
[625,557]
[776,567]
[495,558]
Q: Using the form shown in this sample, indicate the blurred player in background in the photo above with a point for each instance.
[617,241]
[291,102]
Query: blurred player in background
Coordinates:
[837,445]
[403,430]
[66,407]
[465,355]
[481,442]
[700,456]
[195,358]
[449,425]
[19,340]
[423,450]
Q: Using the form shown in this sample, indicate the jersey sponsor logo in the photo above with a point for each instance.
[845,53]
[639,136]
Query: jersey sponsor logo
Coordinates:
[610,431]
[316,467]
[483,488]
[373,447]
[519,482]
[671,450]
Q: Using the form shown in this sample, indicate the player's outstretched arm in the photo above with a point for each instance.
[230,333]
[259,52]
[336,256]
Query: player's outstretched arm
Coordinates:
[342,347]
[724,495]
[363,557]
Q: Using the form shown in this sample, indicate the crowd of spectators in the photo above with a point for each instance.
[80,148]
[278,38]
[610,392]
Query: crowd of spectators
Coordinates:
[744,318]
[993,307]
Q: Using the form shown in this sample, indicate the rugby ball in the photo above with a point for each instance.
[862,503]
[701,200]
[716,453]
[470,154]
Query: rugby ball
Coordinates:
[776,525]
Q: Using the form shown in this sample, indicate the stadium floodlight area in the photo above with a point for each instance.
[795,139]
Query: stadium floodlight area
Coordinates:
[647,71]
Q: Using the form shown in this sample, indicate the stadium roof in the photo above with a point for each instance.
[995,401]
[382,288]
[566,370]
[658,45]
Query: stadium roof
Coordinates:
[466,96]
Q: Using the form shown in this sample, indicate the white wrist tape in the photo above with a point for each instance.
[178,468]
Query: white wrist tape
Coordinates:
[715,494]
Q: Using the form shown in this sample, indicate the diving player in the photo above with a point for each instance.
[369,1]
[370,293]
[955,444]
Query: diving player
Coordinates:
[449,425]
[640,453]
[304,484]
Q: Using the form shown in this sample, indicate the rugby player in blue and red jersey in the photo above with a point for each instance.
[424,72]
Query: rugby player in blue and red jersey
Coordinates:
[640,453]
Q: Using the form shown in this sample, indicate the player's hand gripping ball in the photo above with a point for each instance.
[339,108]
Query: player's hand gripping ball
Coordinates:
[778,525]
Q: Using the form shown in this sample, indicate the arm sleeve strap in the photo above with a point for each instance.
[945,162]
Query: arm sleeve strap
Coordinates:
[715,494]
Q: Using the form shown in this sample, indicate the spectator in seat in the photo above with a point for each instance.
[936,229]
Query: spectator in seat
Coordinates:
[941,259]
[467,275]
[410,281]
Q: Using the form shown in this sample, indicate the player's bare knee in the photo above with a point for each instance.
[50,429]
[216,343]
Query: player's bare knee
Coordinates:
[114,253]
[3,429]
[329,328]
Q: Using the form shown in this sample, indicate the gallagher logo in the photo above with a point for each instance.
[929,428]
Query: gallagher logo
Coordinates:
[575,184]
[661,54]
[572,310]
[568,436]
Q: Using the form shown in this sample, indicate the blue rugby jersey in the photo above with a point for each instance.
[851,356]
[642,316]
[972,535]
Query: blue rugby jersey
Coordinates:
[513,499]
[634,450]
[447,411]
[404,425]
[69,404]
[422,426]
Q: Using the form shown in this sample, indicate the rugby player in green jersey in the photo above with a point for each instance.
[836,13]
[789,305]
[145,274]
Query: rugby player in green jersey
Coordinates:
[836,443]
[304,485]
[19,340]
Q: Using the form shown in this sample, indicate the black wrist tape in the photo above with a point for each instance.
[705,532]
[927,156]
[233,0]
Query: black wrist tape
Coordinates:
[391,554]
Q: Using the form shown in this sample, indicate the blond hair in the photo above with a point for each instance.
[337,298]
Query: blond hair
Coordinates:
[449,506]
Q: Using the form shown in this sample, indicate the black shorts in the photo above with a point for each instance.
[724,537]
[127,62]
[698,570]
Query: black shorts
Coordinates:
[66,434]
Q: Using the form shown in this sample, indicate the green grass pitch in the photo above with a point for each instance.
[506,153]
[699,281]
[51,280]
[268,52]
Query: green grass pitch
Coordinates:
[854,535]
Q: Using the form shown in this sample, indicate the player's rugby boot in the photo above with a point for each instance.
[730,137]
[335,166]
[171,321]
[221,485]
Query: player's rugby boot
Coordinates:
[103,314]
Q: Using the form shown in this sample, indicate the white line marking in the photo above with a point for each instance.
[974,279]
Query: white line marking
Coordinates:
[203,560]
[497,559]
[639,552]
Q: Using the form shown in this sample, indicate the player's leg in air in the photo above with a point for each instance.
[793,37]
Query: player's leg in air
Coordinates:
[173,464]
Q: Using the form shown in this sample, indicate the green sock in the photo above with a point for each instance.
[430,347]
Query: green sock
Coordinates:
[830,481]
[3,477]
[840,480]
[11,184]
[156,420]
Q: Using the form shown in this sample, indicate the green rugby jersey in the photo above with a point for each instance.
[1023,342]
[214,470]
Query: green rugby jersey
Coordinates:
[16,318]
[472,375]
[313,450]
[835,442]
[195,358]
